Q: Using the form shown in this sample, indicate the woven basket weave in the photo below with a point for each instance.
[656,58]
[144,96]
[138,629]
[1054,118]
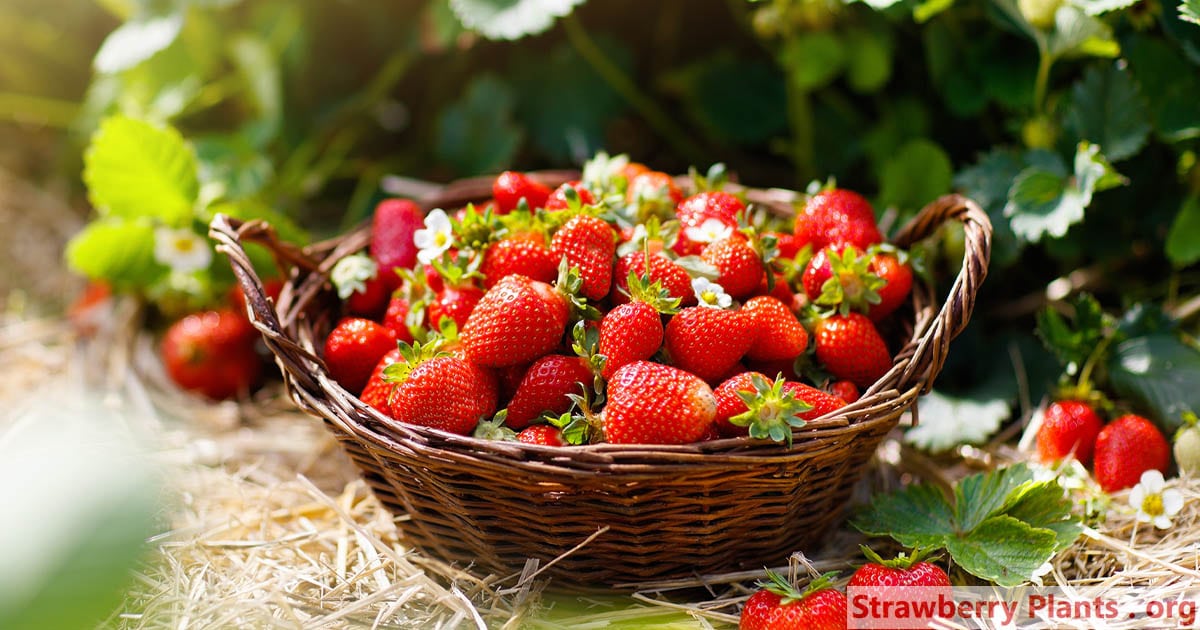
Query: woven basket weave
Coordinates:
[645,512]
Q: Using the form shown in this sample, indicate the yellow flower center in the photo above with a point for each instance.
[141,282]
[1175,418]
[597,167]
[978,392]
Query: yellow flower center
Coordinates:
[709,297]
[1153,505]
[185,245]
[440,239]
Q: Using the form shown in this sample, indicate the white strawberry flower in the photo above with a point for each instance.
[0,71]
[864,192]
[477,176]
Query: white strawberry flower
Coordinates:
[710,294]
[351,273]
[1153,503]
[182,250]
[435,238]
[711,231]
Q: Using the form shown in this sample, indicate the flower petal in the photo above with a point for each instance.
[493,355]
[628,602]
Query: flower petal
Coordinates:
[1153,481]
[1172,502]
[1162,522]
[1143,517]
[1137,496]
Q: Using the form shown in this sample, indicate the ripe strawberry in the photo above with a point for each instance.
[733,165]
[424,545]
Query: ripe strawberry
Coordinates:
[558,199]
[821,402]
[898,281]
[777,605]
[441,391]
[1069,427]
[707,342]
[212,353]
[547,387]
[905,578]
[840,277]
[393,225]
[779,289]
[650,403]
[634,331]
[674,279]
[777,334]
[787,245]
[508,379]
[589,244]
[517,320]
[457,303]
[510,187]
[740,267]
[353,348]
[543,434]
[377,391]
[835,217]
[86,313]
[702,213]
[845,390]
[395,318]
[526,255]
[360,286]
[1126,448]
[749,403]
[632,170]
[851,348]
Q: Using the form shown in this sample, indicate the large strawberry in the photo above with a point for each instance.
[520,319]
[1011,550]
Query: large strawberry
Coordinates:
[751,404]
[835,217]
[851,348]
[656,268]
[839,277]
[378,391]
[1069,427]
[820,402]
[905,578]
[740,267]
[1126,448]
[212,353]
[511,187]
[517,320]
[353,348]
[777,334]
[634,331]
[525,254]
[778,605]
[650,403]
[393,225]
[589,244]
[438,390]
[708,342]
[547,387]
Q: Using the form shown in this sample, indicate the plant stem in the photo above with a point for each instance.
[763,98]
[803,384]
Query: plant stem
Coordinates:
[659,120]
[1085,374]
[800,118]
[1043,79]
[37,110]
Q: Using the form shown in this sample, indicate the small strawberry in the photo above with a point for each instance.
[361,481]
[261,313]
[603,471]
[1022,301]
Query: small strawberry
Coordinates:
[905,578]
[705,218]
[511,187]
[845,390]
[587,242]
[518,320]
[650,403]
[559,199]
[740,267]
[353,348]
[212,353]
[851,348]
[541,434]
[438,390]
[674,279]
[634,331]
[360,285]
[840,278]
[787,244]
[395,318]
[393,224]
[778,335]
[1069,427]
[897,276]
[1126,448]
[378,391]
[835,217]
[455,302]
[778,605]
[707,341]
[751,404]
[526,255]
[1186,446]
[547,387]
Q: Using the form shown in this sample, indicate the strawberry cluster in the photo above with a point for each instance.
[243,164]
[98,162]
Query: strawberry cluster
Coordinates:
[1119,451]
[615,309]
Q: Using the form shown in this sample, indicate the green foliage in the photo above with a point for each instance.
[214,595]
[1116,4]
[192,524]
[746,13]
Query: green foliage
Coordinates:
[511,19]
[1105,108]
[1183,241]
[133,168]
[1075,341]
[918,173]
[477,134]
[1046,200]
[1158,373]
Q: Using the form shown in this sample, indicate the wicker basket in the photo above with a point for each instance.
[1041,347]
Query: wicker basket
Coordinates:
[645,512]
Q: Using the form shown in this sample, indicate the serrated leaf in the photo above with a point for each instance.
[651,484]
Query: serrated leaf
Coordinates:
[1190,10]
[1044,505]
[511,19]
[1170,85]
[1045,201]
[1159,374]
[917,516]
[1105,108]
[477,134]
[1183,241]
[813,59]
[118,251]
[1003,550]
[1072,343]
[918,173]
[988,183]
[1077,33]
[1100,7]
[135,169]
[978,497]
[136,41]
[948,421]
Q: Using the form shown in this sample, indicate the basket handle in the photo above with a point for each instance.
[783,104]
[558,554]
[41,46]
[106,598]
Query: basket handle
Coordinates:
[930,353]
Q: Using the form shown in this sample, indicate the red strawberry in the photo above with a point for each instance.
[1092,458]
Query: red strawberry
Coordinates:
[632,170]
[905,578]
[589,244]
[760,407]
[510,187]
[457,303]
[835,217]
[707,342]
[508,379]
[360,285]
[739,265]
[674,279]
[1126,448]
[212,353]
[779,289]
[777,333]
[851,348]
[845,390]
[777,605]
[898,279]
[821,402]
[547,387]
[787,245]
[526,255]
[378,391]
[543,434]
[634,331]
[517,320]
[650,403]
[393,225]
[353,348]
[840,277]
[695,211]
[558,200]
[440,391]
[1069,427]
[395,318]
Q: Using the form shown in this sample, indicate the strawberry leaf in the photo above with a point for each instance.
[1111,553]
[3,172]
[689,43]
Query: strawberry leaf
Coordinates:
[1106,108]
[948,421]
[1004,550]
[1046,200]
[1074,342]
[117,251]
[135,169]
[477,134]
[136,41]
[1183,241]
[1190,10]
[1158,373]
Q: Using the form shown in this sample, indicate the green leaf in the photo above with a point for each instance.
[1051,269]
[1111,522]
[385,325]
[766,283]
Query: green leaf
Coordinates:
[118,251]
[135,169]
[988,183]
[735,99]
[1170,85]
[929,8]
[917,516]
[1045,505]
[1183,241]
[917,174]
[1105,108]
[948,421]
[1159,374]
[136,41]
[979,496]
[1072,343]
[511,19]
[1044,200]
[1100,7]
[1078,34]
[477,134]
[259,68]
[870,59]
[233,163]
[1003,550]
[1190,10]
[812,60]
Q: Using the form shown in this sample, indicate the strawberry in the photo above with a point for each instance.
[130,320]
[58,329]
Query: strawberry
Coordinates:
[516,321]
[751,404]
[851,348]
[395,318]
[820,402]
[353,348]
[634,331]
[86,313]
[1069,427]
[674,279]
[212,353]
[440,391]
[393,225]
[1186,445]
[587,242]
[508,379]
[787,244]
[777,333]
[547,387]
[377,391]
[779,289]
[632,170]
[740,267]
[455,302]
[542,434]
[897,276]
[845,390]
[526,255]
[702,216]
[654,188]
[904,578]
[510,187]
[360,285]
[778,605]
[558,199]
[836,217]
[650,403]
[707,342]
[1126,448]
[839,277]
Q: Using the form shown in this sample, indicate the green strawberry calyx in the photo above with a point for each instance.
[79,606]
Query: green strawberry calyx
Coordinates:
[852,285]
[350,274]
[788,593]
[569,284]
[494,429]
[411,356]
[586,344]
[652,293]
[902,561]
[771,412]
